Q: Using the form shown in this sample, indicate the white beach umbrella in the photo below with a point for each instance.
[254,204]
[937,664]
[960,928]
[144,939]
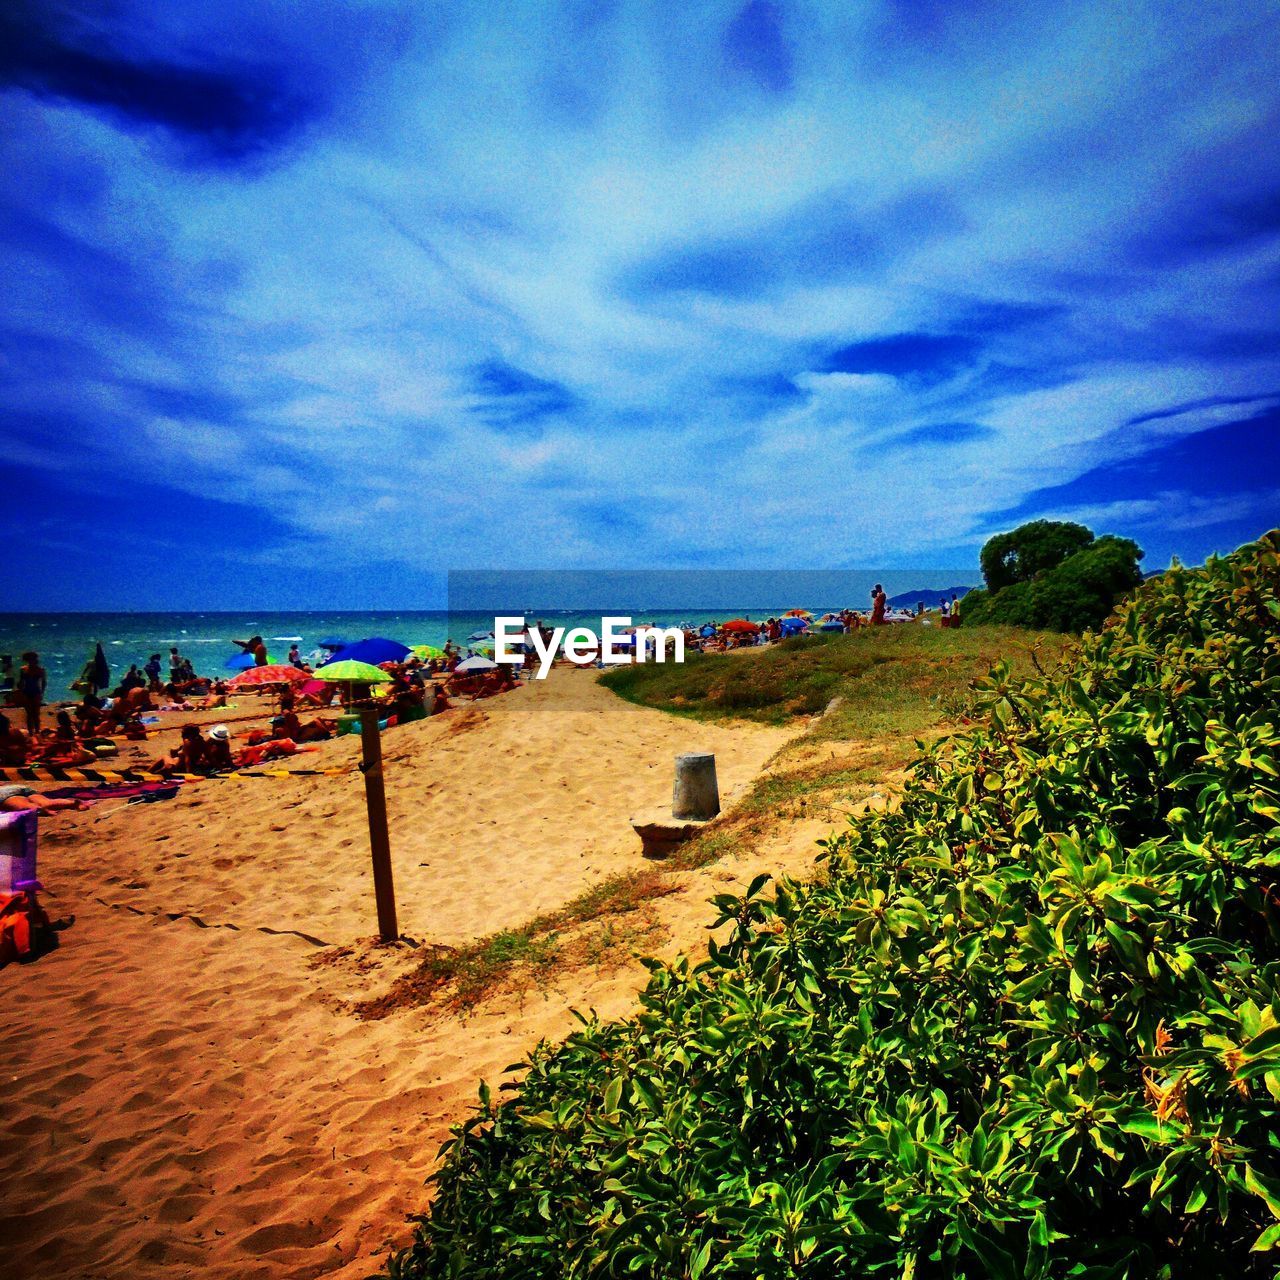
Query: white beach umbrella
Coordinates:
[476,664]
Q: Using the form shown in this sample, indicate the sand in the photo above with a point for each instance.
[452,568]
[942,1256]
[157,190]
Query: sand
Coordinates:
[187,1091]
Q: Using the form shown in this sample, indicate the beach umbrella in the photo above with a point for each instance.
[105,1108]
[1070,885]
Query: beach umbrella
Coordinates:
[476,664]
[101,672]
[739,625]
[331,643]
[275,674]
[349,670]
[798,613]
[793,626]
[95,671]
[832,625]
[373,650]
[480,635]
[426,651]
[241,662]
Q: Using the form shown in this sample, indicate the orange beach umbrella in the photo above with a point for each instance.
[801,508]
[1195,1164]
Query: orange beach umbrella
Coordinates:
[278,673]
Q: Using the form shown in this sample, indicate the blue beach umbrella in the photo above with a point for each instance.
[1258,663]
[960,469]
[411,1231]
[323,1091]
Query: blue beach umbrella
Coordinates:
[240,662]
[831,626]
[375,650]
[793,626]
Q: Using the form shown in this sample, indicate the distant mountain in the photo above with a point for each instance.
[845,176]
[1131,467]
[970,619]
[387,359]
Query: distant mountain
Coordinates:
[932,599]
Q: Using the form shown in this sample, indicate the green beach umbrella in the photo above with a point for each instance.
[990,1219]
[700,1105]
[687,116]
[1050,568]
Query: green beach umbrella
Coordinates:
[357,672]
[427,651]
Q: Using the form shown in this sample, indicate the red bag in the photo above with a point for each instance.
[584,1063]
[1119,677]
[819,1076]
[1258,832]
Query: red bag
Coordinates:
[25,930]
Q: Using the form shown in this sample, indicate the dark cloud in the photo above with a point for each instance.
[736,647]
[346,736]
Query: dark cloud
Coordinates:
[1207,402]
[1187,235]
[938,433]
[755,46]
[229,110]
[919,358]
[508,396]
[1241,457]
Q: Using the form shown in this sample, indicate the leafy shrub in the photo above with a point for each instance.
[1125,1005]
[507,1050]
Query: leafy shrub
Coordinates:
[1028,1025]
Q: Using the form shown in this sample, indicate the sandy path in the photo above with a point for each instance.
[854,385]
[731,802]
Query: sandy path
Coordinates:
[193,1101]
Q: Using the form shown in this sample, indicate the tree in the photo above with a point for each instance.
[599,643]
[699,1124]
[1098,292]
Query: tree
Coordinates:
[1030,550]
[1069,592]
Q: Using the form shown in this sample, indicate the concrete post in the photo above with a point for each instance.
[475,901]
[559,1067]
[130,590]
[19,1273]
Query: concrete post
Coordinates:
[696,793]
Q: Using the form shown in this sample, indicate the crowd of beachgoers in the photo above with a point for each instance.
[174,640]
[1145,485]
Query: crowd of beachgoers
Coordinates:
[309,702]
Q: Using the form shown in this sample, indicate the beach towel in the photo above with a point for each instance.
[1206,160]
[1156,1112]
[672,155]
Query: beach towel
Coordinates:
[117,791]
[25,930]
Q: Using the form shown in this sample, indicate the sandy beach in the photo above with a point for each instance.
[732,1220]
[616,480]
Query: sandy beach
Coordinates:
[189,1092]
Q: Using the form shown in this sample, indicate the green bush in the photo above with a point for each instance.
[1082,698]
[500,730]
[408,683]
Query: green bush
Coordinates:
[1028,1025]
[1052,576]
[1076,594]
[1029,550]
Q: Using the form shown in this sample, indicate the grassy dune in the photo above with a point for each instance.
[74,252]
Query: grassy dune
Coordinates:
[897,679]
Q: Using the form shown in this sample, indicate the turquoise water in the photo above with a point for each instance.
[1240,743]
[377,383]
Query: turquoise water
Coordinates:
[65,640]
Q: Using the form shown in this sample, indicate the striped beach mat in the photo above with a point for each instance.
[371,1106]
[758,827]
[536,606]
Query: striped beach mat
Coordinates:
[51,773]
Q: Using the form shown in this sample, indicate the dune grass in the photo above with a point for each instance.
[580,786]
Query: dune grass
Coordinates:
[896,679]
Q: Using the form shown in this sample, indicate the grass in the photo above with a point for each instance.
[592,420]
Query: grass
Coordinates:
[880,690]
[460,977]
[897,679]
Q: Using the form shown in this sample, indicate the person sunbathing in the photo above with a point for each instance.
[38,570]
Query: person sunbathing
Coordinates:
[276,749]
[216,698]
[123,715]
[217,752]
[16,796]
[190,756]
[290,727]
[63,747]
[15,746]
[469,685]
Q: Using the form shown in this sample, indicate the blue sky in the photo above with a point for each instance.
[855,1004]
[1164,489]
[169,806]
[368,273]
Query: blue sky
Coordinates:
[306,303]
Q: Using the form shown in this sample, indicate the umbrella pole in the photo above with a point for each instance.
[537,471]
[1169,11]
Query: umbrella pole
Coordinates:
[379,840]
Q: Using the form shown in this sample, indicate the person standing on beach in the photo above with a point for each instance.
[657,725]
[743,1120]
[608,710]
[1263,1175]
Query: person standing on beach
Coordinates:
[6,673]
[878,602]
[30,685]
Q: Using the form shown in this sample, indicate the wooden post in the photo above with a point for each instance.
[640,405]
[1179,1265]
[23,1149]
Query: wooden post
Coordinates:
[375,794]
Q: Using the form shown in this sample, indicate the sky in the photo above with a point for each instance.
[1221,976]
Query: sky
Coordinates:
[308,303]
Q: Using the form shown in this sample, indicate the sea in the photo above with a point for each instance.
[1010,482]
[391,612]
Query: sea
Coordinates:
[65,641]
